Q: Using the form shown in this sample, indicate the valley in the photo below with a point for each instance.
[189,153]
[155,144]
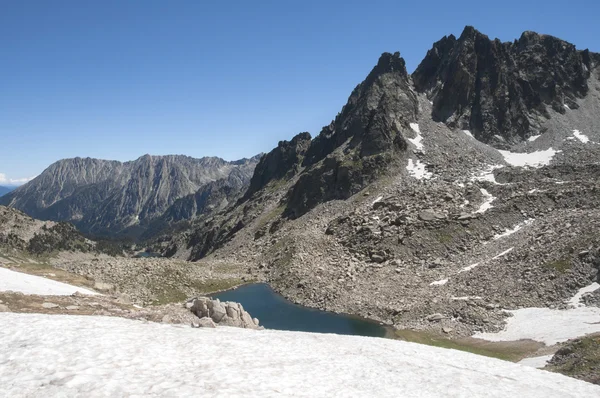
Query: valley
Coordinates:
[455,207]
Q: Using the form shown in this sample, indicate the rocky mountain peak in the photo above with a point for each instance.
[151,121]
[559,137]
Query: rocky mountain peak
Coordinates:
[502,92]
[282,161]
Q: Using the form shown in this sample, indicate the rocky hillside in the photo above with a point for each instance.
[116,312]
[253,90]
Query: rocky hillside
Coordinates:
[110,197]
[20,232]
[433,200]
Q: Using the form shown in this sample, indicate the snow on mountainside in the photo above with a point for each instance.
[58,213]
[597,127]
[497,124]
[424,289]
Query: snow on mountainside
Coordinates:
[32,284]
[49,355]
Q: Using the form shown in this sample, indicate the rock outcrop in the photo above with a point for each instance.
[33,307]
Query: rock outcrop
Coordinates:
[282,162]
[221,313]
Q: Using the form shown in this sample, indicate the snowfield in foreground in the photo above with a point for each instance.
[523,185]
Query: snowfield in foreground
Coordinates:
[33,284]
[66,355]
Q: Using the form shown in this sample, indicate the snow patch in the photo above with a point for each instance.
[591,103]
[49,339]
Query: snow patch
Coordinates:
[575,301]
[550,326]
[469,268]
[536,362]
[581,137]
[465,298]
[32,284]
[467,132]
[377,200]
[517,228]
[417,169]
[487,203]
[417,141]
[547,325]
[439,283]
[533,138]
[487,175]
[533,159]
[68,356]
[504,253]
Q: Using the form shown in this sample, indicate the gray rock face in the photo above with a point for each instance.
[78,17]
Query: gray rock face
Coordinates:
[369,127]
[501,91]
[224,314]
[283,161]
[101,196]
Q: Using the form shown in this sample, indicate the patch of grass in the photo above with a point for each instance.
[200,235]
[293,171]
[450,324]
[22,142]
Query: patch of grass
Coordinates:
[276,212]
[445,238]
[176,294]
[508,351]
[560,265]
[583,361]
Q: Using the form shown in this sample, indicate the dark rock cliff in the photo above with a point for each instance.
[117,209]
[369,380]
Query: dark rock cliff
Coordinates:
[501,92]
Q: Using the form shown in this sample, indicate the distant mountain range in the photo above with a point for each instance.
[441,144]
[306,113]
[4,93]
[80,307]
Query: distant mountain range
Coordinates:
[5,190]
[110,197]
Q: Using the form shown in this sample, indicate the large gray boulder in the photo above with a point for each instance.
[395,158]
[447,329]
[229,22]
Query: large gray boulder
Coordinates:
[222,313]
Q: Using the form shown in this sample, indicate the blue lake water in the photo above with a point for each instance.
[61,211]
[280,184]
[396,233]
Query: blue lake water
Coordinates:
[275,312]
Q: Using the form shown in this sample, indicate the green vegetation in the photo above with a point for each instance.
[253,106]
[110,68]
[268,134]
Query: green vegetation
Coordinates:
[580,359]
[445,238]
[273,214]
[508,351]
[560,265]
[175,294]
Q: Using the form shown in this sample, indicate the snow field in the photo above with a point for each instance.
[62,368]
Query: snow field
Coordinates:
[91,356]
[33,284]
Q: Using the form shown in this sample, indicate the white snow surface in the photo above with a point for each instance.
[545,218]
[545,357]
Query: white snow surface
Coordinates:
[550,326]
[439,283]
[487,203]
[534,159]
[379,198]
[487,175]
[536,362]
[32,284]
[467,132]
[575,300]
[417,170]
[66,355]
[547,325]
[504,253]
[418,140]
[581,137]
[533,138]
[509,231]
[469,268]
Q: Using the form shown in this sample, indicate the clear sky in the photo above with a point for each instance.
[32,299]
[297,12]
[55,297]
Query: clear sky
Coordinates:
[118,79]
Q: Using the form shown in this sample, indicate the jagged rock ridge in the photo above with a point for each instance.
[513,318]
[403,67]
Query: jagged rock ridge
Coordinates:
[109,197]
[501,91]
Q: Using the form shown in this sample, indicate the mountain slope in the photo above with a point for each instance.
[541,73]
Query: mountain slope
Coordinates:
[394,214]
[5,190]
[101,196]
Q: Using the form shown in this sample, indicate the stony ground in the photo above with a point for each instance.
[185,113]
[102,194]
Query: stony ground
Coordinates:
[141,281]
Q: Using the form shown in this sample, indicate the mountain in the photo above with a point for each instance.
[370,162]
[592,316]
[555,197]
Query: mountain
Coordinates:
[5,190]
[435,200]
[110,197]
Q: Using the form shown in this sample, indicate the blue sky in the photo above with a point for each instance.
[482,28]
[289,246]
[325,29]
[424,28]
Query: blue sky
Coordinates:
[118,79]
